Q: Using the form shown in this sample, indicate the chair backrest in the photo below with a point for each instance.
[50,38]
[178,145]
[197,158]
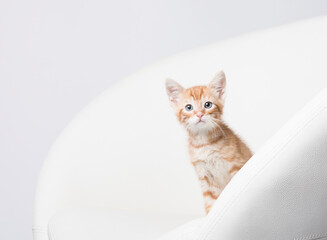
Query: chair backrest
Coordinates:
[126,150]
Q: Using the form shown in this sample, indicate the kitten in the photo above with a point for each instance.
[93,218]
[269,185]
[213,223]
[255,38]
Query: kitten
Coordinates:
[216,152]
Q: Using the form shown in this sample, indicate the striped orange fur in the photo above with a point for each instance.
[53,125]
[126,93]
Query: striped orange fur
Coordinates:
[216,152]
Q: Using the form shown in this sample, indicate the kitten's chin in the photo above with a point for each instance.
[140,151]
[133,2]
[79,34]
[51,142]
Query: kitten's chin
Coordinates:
[200,128]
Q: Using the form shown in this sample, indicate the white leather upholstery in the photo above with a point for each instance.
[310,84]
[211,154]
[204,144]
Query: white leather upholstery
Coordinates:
[126,151]
[102,224]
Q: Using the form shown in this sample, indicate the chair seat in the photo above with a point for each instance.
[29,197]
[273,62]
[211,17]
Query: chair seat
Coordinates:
[100,224]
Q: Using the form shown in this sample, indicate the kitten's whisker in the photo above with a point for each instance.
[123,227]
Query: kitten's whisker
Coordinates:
[222,131]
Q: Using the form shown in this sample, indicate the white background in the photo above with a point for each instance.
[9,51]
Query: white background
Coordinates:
[55,56]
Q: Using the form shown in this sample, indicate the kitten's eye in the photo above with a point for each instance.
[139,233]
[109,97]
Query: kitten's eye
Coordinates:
[188,107]
[208,105]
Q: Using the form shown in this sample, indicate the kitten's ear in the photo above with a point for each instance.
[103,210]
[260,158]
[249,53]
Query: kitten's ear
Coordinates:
[174,90]
[218,85]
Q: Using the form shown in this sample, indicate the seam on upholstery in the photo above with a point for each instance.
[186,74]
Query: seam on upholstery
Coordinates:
[274,153]
[313,237]
[319,238]
[38,229]
[40,232]
[50,234]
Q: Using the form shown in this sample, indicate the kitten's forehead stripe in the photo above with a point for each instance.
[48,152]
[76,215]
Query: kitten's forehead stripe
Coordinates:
[197,92]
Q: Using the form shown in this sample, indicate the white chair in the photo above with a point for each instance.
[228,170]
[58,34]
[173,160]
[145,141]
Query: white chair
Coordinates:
[120,170]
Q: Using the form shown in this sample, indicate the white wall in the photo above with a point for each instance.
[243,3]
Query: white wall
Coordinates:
[55,56]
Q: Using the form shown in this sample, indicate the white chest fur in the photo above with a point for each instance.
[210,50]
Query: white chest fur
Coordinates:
[208,162]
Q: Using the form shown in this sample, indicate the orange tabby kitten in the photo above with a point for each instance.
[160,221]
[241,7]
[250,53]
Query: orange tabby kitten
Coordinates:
[216,152]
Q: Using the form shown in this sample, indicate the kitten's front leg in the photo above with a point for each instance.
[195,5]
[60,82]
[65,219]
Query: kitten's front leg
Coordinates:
[210,198]
[209,190]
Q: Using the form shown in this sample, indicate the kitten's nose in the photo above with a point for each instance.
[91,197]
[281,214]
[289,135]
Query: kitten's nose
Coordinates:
[199,115]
